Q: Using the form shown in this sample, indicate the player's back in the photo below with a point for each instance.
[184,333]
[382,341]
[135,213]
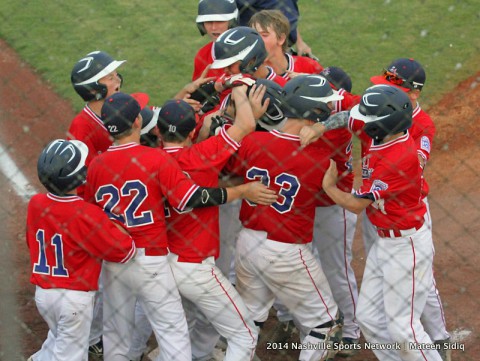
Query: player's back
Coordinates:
[195,234]
[130,181]
[68,238]
[296,174]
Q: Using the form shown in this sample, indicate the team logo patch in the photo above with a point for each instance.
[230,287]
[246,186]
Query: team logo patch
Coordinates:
[425,144]
[378,185]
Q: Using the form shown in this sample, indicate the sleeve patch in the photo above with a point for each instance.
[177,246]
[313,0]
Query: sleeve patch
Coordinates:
[378,185]
[425,144]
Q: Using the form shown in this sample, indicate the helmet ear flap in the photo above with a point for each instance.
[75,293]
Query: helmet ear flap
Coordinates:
[201,28]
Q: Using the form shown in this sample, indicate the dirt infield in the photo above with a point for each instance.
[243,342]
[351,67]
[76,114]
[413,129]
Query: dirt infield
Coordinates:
[31,114]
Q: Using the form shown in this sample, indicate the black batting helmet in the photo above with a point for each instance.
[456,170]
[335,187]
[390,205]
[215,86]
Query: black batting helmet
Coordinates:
[61,166]
[216,10]
[274,115]
[307,97]
[242,44]
[385,109]
[89,70]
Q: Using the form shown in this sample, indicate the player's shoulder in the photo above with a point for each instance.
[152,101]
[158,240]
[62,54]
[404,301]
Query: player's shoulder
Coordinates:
[306,64]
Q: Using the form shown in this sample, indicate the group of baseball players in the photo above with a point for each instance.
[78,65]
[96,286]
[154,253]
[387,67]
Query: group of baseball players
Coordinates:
[195,219]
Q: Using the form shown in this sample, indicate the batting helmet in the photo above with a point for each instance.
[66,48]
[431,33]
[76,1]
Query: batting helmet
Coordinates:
[307,97]
[337,77]
[242,44]
[274,115]
[61,165]
[385,110]
[89,70]
[216,10]
[407,74]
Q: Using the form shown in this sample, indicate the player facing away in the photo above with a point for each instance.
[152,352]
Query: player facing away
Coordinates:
[398,272]
[273,258]
[129,182]
[274,27]
[68,238]
[193,236]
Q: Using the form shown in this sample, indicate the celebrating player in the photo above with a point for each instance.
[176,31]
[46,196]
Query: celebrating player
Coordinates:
[274,28]
[129,181]
[398,273]
[67,244]
[273,256]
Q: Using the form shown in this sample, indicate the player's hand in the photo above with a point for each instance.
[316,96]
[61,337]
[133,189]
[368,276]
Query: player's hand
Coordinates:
[311,133]
[293,74]
[255,97]
[259,193]
[331,176]
[195,104]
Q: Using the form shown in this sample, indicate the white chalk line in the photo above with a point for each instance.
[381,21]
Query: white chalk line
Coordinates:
[19,182]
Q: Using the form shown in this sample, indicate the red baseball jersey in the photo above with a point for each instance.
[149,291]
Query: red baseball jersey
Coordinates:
[422,131]
[394,181]
[68,238]
[296,174]
[348,102]
[88,128]
[203,58]
[301,64]
[194,234]
[129,182]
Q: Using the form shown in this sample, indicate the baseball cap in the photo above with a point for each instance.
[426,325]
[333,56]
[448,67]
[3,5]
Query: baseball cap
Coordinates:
[176,117]
[406,74]
[337,77]
[119,112]
[149,115]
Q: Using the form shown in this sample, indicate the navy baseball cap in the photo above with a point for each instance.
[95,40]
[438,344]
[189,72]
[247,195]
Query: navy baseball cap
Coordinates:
[406,74]
[176,117]
[338,78]
[119,112]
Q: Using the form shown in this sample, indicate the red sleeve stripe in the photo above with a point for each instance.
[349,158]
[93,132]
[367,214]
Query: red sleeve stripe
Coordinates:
[228,139]
[187,197]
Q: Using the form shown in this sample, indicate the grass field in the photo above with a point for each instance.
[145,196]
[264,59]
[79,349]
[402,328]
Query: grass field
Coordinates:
[159,39]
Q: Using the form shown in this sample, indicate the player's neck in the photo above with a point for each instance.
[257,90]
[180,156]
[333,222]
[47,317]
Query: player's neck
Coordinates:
[391,137]
[278,62]
[96,106]
[293,126]
[132,138]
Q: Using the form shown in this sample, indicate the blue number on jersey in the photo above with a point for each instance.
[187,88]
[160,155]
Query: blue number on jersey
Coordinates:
[289,187]
[133,189]
[42,266]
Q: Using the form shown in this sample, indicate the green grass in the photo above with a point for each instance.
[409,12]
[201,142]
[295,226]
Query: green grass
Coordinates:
[159,39]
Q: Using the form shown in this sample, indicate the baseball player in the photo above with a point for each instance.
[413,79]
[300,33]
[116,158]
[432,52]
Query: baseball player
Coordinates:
[248,8]
[398,273]
[67,238]
[129,181]
[214,17]
[273,258]
[274,27]
[193,237]
[94,77]
[409,76]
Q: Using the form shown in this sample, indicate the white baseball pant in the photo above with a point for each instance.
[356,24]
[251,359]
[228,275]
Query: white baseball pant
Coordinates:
[396,282]
[149,280]
[267,270]
[68,314]
[204,285]
[433,316]
[333,235]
